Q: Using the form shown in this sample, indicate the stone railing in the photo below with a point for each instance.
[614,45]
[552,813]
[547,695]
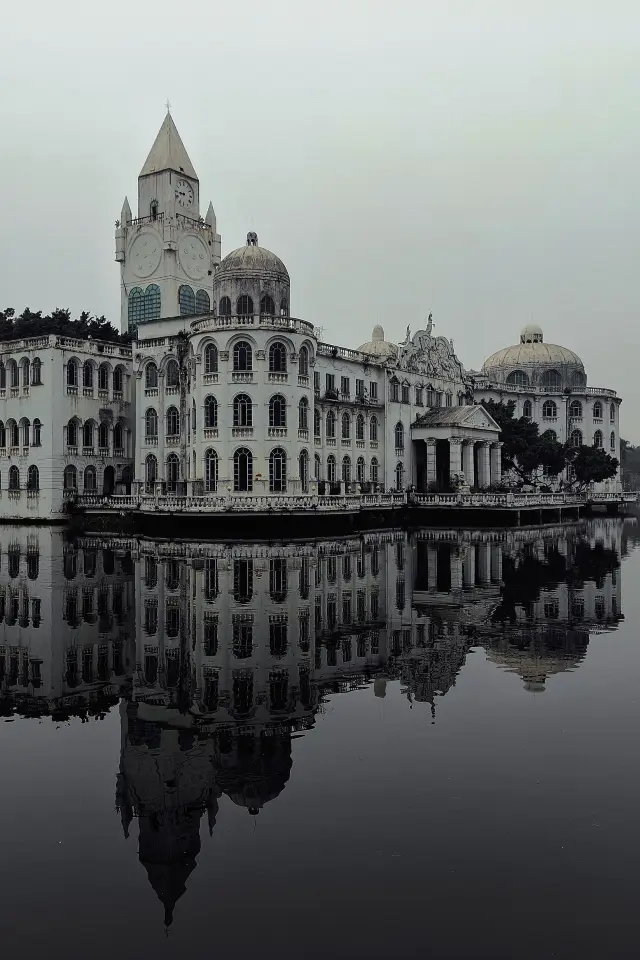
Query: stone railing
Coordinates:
[268,322]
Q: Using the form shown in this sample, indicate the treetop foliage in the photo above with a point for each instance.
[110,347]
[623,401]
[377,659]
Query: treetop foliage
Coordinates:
[59,323]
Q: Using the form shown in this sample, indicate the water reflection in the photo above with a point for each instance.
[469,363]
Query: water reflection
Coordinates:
[221,654]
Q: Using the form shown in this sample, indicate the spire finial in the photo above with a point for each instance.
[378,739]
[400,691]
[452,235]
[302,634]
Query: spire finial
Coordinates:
[168,105]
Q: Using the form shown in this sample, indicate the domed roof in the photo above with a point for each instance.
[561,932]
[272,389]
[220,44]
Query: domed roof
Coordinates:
[379,347]
[252,260]
[532,354]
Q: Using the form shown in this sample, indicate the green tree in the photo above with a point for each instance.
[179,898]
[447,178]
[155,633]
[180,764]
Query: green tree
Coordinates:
[58,323]
[525,451]
[591,465]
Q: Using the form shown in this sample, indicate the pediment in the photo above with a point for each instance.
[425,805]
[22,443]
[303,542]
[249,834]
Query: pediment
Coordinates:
[480,419]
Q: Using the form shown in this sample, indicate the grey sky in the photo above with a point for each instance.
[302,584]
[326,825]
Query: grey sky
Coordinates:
[476,159]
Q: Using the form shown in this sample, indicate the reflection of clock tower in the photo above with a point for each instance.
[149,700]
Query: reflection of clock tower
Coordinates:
[168,253]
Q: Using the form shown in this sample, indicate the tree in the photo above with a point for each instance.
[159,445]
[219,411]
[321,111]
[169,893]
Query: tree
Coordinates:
[591,465]
[525,451]
[59,323]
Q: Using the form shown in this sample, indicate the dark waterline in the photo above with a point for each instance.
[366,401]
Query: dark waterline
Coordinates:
[381,745]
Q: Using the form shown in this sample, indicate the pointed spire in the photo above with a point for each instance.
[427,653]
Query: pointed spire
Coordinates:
[211,217]
[168,152]
[125,216]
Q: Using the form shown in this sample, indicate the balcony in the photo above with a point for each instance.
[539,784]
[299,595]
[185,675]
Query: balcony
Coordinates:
[346,441]
[242,376]
[211,433]
[172,441]
[151,392]
[242,431]
[277,431]
[303,381]
[172,390]
[275,377]
[210,378]
[104,451]
[303,434]
[72,390]
[151,441]
[87,451]
[87,392]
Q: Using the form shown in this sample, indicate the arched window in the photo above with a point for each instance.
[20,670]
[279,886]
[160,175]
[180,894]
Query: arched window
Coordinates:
[360,470]
[87,435]
[117,380]
[303,414]
[244,305]
[33,478]
[3,435]
[72,434]
[612,440]
[72,373]
[612,412]
[267,306]
[550,434]
[242,470]
[303,362]
[151,424]
[277,411]
[172,374]
[575,408]
[14,373]
[26,427]
[346,469]
[597,410]
[373,470]
[360,427]
[551,379]
[172,473]
[373,430]
[284,307]
[90,479]
[331,424]
[317,420]
[242,411]
[576,438]
[277,358]
[303,469]
[225,307]
[3,376]
[211,471]
[87,375]
[518,378]
[317,466]
[242,356]
[15,434]
[36,372]
[211,358]
[70,477]
[186,300]
[136,307]
[345,426]
[203,302]
[210,412]
[37,441]
[152,302]
[26,369]
[399,476]
[193,424]
[399,436]
[549,410]
[118,436]
[331,468]
[150,472]
[103,436]
[151,376]
[103,376]
[173,422]
[277,471]
[597,439]
[14,478]
[527,409]
[578,379]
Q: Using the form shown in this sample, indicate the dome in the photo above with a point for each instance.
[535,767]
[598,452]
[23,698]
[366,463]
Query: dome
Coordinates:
[532,362]
[379,347]
[532,333]
[252,261]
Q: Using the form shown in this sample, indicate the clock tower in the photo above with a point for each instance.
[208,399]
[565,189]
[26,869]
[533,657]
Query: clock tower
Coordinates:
[169,252]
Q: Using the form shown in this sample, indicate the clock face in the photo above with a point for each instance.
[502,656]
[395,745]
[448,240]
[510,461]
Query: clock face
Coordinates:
[194,256]
[144,254]
[184,193]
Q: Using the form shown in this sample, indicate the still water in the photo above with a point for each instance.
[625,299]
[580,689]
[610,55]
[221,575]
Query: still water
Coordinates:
[421,745]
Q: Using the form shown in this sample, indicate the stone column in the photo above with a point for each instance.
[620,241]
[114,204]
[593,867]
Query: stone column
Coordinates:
[484,469]
[469,565]
[431,460]
[496,562]
[456,572]
[455,455]
[496,462]
[484,562]
[467,462]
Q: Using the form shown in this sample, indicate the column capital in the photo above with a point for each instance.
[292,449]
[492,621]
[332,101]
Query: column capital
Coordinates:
[497,444]
[431,441]
[485,444]
[457,440]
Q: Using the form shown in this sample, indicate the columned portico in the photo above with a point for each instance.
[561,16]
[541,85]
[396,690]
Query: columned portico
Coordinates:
[456,448]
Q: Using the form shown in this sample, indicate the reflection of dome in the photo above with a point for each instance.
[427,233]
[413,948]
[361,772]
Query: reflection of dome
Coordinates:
[256,770]
[379,347]
[252,261]
[536,363]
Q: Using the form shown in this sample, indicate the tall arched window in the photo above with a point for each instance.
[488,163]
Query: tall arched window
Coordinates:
[211,358]
[90,479]
[303,362]
[70,477]
[103,435]
[210,412]
[316,422]
[150,473]
[135,306]
[151,424]
[33,478]
[117,380]
[173,422]
[225,307]
[578,379]
[242,411]
[331,424]
[242,470]
[26,370]
[118,437]
[317,466]
[331,468]
[15,434]
[549,410]
[103,376]
[551,379]
[277,358]
[3,435]
[284,307]
[211,471]
[3,376]
[345,426]
[203,302]
[303,414]
[172,374]
[172,473]
[399,476]
[597,439]
[360,427]
[267,306]
[303,470]
[37,440]
[612,440]
[72,373]
[346,469]
[360,470]
[373,470]
[152,302]
[151,376]
[597,410]
[14,478]
[277,411]
[277,470]
[518,378]
[72,434]
[242,356]
[576,438]
[26,430]
[36,372]
[87,375]
[527,409]
[14,373]
[399,436]
[244,305]
[87,435]
[373,429]
[186,300]
[575,409]
[612,411]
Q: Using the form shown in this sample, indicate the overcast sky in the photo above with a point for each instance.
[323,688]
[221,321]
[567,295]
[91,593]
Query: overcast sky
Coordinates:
[474,158]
